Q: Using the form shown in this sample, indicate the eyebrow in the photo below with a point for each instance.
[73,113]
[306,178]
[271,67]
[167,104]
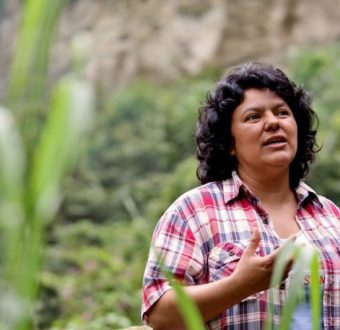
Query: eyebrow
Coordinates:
[276,106]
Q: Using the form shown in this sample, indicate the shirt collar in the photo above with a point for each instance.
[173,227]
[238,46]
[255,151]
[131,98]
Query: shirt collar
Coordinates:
[234,187]
[304,193]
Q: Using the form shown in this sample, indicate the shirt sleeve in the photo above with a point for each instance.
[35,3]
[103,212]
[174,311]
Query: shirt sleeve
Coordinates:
[174,246]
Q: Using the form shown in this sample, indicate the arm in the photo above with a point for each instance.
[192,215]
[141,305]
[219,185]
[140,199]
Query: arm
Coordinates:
[252,274]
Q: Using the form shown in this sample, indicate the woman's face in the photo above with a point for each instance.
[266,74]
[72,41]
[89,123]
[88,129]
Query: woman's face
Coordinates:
[264,132]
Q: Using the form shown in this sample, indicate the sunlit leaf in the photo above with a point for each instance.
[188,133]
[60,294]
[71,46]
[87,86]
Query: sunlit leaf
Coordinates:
[315,293]
[188,309]
[70,117]
[12,156]
[287,252]
[295,291]
[38,22]
[190,313]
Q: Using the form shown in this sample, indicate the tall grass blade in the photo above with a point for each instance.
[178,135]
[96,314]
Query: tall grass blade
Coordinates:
[306,262]
[287,252]
[31,174]
[190,313]
[315,294]
[27,91]
[12,167]
[71,115]
[295,291]
[188,309]
[38,21]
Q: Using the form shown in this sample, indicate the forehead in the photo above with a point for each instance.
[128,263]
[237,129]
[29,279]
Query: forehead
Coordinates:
[259,98]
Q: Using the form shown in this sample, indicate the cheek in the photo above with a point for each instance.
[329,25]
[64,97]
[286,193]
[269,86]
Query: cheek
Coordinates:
[294,135]
[232,145]
[249,135]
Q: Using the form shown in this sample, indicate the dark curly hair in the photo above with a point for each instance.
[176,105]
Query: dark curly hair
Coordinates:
[213,132]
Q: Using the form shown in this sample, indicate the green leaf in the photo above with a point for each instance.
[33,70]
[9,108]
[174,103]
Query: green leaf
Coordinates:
[315,291]
[12,157]
[190,313]
[295,291]
[286,253]
[38,23]
[188,309]
[70,117]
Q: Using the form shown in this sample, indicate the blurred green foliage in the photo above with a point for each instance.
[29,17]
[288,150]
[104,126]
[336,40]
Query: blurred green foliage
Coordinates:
[140,158]
[35,155]
[143,135]
[95,270]
[318,70]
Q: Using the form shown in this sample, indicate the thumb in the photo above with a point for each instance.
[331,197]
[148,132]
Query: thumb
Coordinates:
[254,242]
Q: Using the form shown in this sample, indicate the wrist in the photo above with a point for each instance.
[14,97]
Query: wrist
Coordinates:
[241,286]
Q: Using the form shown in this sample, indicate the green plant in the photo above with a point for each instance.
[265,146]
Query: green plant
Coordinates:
[318,70]
[304,258]
[35,156]
[99,283]
[141,138]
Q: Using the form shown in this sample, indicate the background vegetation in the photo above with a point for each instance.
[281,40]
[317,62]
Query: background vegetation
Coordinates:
[139,158]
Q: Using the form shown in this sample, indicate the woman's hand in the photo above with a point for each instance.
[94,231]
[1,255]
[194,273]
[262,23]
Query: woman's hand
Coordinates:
[254,272]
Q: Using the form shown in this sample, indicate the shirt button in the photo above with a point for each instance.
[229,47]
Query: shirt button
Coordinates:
[231,253]
[282,286]
[253,201]
[265,221]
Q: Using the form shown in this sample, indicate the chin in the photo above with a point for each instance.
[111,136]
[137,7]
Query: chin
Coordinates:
[280,163]
[280,160]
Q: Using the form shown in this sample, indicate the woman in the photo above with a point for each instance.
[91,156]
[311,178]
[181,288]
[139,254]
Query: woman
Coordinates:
[255,141]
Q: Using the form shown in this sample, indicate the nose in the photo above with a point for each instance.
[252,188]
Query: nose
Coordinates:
[271,122]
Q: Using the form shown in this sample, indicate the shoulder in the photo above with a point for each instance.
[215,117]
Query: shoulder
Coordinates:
[193,204]
[186,214]
[328,205]
[209,194]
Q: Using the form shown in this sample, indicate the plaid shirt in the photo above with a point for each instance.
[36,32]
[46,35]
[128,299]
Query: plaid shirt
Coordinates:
[202,235]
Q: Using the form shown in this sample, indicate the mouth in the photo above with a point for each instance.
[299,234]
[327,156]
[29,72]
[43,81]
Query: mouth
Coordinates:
[275,140]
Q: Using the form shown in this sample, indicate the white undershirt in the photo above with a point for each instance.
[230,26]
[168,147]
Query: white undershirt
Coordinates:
[302,318]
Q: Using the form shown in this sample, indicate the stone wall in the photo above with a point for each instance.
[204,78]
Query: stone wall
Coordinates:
[163,40]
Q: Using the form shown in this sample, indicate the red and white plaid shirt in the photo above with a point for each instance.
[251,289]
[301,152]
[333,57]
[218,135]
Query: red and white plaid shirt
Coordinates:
[202,235]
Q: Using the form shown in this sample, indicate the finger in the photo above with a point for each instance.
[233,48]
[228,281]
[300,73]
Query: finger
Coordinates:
[291,239]
[254,242]
[288,268]
[288,258]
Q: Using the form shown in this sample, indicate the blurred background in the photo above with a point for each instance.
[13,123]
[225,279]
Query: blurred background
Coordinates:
[150,64]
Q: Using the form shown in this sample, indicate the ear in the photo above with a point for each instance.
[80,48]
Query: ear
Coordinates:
[232,148]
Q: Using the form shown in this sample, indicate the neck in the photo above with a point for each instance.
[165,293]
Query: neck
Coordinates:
[270,189]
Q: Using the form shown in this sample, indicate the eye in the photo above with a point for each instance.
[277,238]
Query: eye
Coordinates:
[283,113]
[252,117]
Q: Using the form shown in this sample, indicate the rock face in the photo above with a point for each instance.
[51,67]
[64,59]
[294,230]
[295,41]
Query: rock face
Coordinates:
[163,40]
